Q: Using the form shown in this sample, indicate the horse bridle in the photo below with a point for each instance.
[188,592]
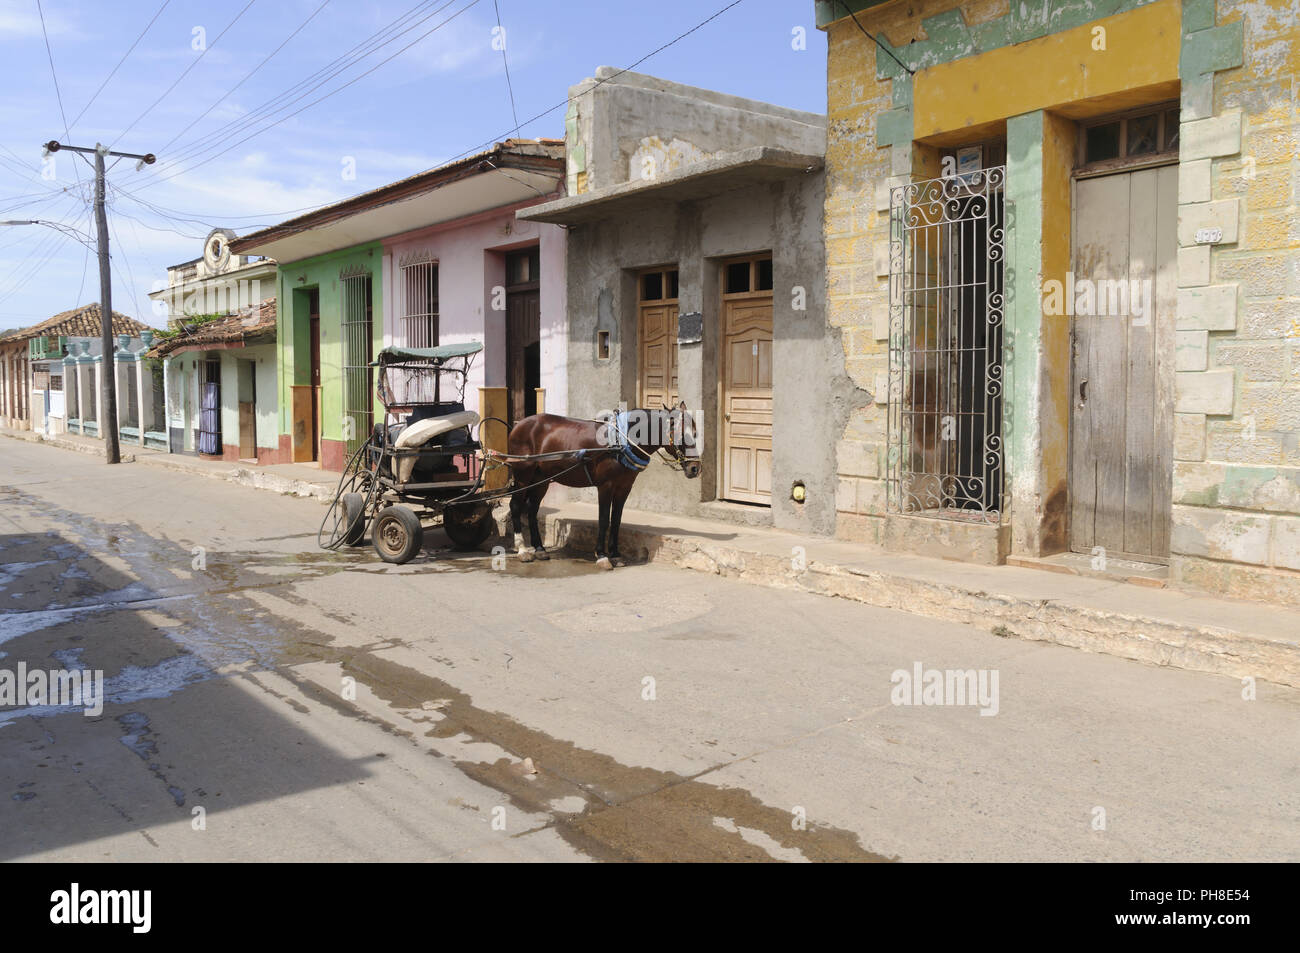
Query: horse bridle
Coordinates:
[676,453]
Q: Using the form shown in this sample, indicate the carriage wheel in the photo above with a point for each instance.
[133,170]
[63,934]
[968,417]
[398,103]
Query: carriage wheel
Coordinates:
[354,519]
[397,534]
[468,526]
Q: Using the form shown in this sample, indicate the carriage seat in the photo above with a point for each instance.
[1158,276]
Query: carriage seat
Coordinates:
[423,431]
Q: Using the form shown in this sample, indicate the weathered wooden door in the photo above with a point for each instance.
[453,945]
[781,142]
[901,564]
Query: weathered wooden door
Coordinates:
[657,356]
[523,351]
[747,400]
[1121,424]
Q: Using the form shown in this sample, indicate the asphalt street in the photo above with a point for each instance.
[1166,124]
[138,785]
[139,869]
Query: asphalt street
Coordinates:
[267,700]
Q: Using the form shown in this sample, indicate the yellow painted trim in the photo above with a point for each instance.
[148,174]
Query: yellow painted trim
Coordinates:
[1142,50]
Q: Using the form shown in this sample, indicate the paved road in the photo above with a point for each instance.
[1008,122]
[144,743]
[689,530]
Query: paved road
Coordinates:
[267,700]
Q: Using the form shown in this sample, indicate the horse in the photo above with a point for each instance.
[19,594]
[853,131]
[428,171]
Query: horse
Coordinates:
[607,453]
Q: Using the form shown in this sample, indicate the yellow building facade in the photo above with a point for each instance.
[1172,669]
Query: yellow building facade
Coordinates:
[1064,260]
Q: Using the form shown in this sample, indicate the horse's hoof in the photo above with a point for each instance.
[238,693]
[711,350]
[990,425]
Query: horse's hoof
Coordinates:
[526,555]
[604,563]
[542,554]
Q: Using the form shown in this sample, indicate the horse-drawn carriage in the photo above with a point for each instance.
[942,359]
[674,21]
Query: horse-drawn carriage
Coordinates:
[426,460]
[423,460]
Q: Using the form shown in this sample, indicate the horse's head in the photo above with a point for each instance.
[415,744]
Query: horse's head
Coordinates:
[683,443]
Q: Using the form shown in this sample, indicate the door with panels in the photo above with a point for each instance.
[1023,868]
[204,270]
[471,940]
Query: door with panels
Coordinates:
[657,338]
[746,380]
[1124,303]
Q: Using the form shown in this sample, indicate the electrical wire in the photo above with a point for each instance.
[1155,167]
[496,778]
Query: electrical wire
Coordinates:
[198,59]
[119,64]
[227,130]
[514,113]
[314,102]
[600,82]
[246,78]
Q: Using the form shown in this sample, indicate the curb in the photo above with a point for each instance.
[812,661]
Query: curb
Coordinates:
[249,477]
[1210,649]
[240,475]
[95,450]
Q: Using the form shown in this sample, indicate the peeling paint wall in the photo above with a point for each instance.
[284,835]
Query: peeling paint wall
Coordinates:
[1023,70]
[1236,513]
[621,125]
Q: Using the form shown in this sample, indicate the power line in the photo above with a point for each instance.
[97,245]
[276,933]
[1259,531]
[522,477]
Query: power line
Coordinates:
[185,73]
[55,76]
[247,76]
[209,221]
[316,101]
[514,113]
[601,82]
[340,63]
[910,71]
[148,25]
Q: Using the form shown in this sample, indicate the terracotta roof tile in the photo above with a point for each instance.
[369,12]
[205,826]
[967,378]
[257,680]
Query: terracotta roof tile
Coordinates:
[244,326]
[79,322]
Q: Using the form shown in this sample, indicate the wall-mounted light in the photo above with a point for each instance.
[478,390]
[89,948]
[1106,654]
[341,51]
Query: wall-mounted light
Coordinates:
[798,492]
[602,345]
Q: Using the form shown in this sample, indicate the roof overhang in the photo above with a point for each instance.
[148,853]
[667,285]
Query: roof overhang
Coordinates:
[722,173]
[419,202]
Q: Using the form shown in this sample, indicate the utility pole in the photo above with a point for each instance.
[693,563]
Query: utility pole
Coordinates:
[108,375]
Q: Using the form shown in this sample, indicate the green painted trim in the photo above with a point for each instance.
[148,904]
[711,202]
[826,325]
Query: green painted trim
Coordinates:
[948,37]
[894,127]
[1197,15]
[1211,50]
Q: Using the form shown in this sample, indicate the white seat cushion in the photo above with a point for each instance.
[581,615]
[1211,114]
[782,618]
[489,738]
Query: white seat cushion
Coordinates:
[422,431]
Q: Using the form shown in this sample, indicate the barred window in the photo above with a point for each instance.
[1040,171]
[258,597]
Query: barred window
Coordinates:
[420,303]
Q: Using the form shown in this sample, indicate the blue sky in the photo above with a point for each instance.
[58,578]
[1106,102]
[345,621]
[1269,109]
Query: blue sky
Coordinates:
[443,96]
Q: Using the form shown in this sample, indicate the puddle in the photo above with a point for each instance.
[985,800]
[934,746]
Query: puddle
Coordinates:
[600,806]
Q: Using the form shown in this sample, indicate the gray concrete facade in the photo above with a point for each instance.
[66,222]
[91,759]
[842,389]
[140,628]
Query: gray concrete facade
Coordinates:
[667,175]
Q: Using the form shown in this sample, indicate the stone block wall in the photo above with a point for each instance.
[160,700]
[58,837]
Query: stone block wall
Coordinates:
[1236,500]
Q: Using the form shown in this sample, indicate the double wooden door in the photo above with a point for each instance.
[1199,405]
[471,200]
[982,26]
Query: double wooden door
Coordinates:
[1121,422]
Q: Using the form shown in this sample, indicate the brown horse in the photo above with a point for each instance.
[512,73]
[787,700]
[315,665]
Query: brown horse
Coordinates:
[607,453]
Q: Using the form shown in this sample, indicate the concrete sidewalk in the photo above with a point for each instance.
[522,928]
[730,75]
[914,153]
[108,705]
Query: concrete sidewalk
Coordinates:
[1160,626]
[291,479]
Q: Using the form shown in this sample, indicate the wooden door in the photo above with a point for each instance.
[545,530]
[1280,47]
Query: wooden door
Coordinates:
[523,351]
[657,356]
[314,343]
[747,400]
[247,430]
[1121,422]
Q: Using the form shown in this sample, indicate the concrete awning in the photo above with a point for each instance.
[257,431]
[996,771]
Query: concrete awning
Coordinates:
[722,173]
[514,171]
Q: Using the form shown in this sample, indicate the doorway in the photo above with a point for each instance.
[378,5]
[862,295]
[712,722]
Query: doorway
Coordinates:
[247,392]
[1122,355]
[657,338]
[746,379]
[210,408]
[313,332]
[523,332]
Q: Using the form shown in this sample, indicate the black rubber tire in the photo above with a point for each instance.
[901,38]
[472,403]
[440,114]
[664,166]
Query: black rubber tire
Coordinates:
[397,534]
[468,525]
[354,519]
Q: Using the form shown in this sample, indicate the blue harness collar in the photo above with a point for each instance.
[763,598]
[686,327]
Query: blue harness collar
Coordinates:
[629,455]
